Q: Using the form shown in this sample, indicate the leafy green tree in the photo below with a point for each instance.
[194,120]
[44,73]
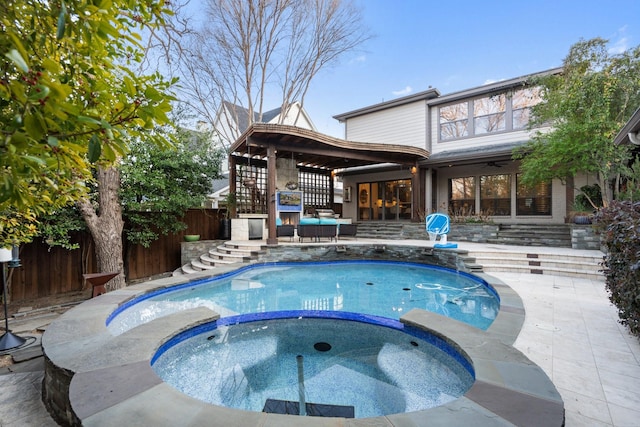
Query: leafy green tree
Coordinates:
[68,97]
[159,186]
[69,105]
[585,106]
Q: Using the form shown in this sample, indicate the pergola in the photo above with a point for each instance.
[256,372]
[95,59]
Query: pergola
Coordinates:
[317,151]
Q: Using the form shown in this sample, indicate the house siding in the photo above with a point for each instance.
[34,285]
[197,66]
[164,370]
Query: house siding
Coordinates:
[402,125]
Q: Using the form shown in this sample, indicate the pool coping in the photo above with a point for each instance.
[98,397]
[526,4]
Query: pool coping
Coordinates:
[109,379]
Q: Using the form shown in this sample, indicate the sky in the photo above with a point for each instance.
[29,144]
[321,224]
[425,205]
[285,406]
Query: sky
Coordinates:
[457,45]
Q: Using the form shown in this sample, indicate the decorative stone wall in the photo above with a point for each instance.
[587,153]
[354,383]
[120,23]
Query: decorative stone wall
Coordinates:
[192,250]
[332,252]
[585,237]
[477,233]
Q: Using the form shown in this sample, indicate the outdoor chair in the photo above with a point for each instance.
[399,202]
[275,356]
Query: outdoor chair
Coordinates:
[347,230]
[284,230]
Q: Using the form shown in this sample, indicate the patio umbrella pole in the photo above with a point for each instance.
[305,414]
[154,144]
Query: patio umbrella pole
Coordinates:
[8,340]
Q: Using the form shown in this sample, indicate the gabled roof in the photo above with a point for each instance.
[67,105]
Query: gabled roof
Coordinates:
[317,150]
[426,95]
[632,126]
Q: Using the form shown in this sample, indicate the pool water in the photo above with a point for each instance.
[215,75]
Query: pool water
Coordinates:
[379,288]
[378,370]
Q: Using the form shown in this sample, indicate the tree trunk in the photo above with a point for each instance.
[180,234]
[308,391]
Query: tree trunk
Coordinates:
[106,225]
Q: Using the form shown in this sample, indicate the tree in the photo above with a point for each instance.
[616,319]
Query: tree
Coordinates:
[69,102]
[586,106]
[159,186]
[252,51]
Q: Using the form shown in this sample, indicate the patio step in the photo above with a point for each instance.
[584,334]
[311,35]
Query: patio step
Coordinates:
[223,255]
[580,265]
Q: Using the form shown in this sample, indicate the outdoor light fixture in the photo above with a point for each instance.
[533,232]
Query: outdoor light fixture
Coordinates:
[15,257]
[10,256]
[414,170]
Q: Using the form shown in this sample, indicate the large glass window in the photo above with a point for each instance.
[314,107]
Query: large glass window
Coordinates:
[462,196]
[489,114]
[385,200]
[522,101]
[534,200]
[454,121]
[495,195]
[496,113]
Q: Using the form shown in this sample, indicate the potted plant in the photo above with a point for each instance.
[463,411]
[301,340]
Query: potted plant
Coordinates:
[225,222]
[581,212]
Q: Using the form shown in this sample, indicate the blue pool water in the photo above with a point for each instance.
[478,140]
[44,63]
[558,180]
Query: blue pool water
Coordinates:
[379,288]
[378,369]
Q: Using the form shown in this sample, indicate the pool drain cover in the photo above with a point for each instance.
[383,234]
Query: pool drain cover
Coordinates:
[322,346]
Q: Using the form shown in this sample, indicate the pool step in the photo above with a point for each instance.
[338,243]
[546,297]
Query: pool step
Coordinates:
[223,255]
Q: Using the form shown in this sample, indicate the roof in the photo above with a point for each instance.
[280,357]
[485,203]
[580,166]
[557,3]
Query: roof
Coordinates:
[433,96]
[632,126]
[492,87]
[317,150]
[426,95]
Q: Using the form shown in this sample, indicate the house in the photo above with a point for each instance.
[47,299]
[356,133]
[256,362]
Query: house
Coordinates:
[470,136]
[232,120]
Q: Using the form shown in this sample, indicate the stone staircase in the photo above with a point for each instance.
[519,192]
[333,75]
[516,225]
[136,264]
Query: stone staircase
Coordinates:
[555,235]
[582,264]
[223,255]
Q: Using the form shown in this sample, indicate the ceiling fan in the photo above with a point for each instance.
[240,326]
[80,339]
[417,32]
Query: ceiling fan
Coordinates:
[493,164]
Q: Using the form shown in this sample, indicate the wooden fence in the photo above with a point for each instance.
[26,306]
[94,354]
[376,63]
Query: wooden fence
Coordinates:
[51,271]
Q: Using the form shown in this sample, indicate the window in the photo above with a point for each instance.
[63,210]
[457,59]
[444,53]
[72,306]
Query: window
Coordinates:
[454,121]
[522,101]
[534,200]
[495,195]
[385,200]
[489,114]
[496,113]
[462,196]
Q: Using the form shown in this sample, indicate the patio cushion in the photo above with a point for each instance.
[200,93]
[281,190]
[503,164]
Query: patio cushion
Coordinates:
[309,221]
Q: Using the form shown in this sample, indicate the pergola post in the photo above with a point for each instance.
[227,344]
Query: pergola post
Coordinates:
[272,239]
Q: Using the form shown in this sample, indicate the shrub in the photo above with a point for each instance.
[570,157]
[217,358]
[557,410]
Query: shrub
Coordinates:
[620,223]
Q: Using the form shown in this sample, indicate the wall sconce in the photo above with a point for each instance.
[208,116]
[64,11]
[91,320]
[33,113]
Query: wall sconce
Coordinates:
[414,170]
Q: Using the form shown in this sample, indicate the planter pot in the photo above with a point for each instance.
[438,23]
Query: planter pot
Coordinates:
[191,237]
[225,229]
[582,219]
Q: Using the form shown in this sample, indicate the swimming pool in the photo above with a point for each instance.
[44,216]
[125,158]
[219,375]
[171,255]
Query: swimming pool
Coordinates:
[342,365]
[380,288]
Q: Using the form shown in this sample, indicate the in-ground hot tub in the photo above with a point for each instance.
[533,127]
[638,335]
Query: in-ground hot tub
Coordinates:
[364,365]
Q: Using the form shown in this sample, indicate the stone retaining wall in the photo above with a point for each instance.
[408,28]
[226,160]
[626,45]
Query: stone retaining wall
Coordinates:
[192,250]
[336,252]
[477,233]
[585,237]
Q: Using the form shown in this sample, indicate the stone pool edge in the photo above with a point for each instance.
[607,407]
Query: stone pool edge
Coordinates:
[109,380]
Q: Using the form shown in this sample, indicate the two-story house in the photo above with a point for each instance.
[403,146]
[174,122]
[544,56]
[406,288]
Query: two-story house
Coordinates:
[471,135]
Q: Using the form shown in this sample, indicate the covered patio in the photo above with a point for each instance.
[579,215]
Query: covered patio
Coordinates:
[269,158]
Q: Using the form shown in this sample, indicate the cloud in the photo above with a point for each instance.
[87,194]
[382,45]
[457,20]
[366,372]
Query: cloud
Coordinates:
[407,90]
[359,59]
[620,45]
[489,81]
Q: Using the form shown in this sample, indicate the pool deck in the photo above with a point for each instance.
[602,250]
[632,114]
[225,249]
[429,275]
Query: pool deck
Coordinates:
[570,331]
